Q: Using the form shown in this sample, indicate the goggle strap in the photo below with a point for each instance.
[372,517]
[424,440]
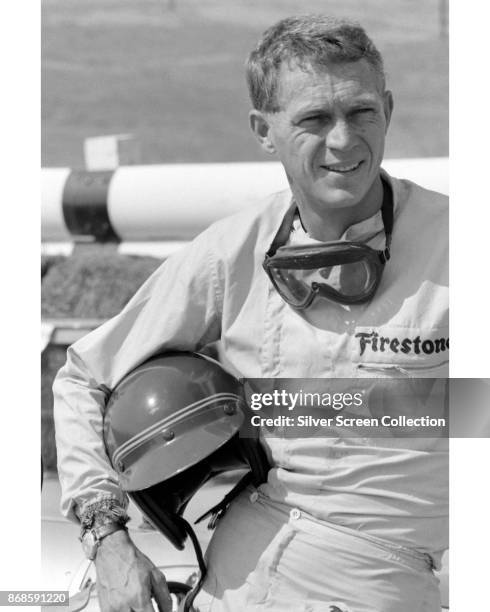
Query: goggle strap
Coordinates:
[284,230]
[387,215]
[385,255]
[387,209]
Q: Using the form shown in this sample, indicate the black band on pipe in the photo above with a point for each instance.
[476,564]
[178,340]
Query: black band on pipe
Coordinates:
[85,207]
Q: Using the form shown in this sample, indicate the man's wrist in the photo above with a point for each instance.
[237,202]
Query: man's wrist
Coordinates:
[92,538]
[115,539]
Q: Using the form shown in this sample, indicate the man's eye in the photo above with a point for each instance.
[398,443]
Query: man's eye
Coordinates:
[363,111]
[313,119]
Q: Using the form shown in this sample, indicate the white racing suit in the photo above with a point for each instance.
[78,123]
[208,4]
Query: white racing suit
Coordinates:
[341,524]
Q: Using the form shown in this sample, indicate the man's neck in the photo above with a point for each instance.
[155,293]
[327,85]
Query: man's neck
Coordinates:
[330,224]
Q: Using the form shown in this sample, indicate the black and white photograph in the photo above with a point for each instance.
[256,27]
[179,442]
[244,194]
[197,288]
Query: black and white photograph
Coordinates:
[245,390]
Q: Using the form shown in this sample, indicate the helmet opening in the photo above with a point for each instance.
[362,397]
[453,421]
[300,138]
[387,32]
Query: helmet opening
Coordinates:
[165,502]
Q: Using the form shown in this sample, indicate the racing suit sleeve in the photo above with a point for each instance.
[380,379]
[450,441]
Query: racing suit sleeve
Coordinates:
[177,308]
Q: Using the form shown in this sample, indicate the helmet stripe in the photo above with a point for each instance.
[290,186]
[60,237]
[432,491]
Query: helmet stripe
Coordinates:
[155,429]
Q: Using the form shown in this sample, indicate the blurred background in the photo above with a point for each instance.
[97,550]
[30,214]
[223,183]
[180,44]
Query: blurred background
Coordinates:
[170,72]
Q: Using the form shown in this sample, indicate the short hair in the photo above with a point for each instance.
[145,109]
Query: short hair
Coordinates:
[308,41]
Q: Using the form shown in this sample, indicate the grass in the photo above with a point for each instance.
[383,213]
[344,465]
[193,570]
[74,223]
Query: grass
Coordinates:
[92,285]
[174,78]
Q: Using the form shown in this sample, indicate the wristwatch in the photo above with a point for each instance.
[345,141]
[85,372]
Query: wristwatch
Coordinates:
[91,538]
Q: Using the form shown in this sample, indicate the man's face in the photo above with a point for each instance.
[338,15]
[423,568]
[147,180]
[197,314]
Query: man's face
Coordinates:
[329,132]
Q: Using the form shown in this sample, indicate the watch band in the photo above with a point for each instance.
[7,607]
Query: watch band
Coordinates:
[104,530]
[91,538]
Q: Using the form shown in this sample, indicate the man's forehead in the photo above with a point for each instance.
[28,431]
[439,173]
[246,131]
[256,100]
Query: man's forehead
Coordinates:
[298,82]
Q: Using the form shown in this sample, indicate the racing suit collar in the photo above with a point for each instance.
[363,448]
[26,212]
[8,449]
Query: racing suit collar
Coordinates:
[362,231]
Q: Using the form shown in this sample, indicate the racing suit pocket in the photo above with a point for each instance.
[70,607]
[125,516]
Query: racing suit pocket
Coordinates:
[437,370]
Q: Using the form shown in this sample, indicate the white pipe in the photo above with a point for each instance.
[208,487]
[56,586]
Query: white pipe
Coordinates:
[179,201]
[53,225]
[174,202]
[429,172]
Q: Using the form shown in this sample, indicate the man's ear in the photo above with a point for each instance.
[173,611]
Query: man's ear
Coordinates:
[261,129]
[388,106]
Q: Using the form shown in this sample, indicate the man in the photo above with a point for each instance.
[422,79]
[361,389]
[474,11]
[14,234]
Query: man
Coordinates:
[354,524]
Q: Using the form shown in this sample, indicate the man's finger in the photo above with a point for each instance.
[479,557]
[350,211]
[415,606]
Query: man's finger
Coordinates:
[160,592]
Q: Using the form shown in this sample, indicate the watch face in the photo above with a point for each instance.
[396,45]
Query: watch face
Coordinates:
[89,545]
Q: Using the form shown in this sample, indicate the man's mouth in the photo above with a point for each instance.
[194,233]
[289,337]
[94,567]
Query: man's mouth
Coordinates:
[342,168]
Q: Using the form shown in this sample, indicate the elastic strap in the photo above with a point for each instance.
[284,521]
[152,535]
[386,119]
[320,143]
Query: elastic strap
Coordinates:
[216,513]
[186,604]
[284,230]
[387,215]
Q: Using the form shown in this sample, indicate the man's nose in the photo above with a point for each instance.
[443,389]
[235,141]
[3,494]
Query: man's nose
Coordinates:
[340,135]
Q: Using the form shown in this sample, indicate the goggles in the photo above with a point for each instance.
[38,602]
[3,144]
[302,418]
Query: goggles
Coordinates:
[345,272]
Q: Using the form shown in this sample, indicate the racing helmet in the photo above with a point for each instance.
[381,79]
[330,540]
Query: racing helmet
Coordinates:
[172,424]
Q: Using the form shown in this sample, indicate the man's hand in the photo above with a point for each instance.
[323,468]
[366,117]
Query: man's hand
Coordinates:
[126,579]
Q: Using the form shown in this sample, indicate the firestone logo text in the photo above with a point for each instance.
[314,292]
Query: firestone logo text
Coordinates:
[376,343]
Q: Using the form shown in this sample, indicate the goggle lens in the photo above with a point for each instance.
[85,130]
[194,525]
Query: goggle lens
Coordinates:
[349,281]
[292,288]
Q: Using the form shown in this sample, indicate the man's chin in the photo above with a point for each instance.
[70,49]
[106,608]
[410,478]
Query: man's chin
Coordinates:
[339,198]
